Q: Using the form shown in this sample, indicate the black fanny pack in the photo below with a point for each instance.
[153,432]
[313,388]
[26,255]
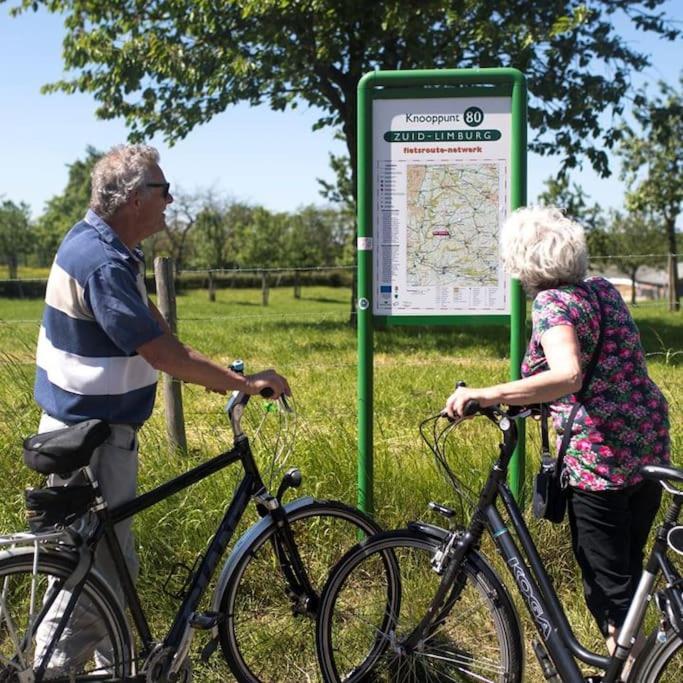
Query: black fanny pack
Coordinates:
[550,483]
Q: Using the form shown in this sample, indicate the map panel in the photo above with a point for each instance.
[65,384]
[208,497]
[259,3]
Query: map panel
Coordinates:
[452,224]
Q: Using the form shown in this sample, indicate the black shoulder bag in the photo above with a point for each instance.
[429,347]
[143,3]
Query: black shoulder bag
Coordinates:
[550,484]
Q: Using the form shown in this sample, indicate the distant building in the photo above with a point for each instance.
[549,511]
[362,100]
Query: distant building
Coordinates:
[651,283]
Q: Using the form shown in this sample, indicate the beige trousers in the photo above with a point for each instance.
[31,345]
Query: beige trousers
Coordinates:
[115,466]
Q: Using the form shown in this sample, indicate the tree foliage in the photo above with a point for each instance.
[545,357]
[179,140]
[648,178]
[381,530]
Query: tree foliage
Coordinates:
[64,210]
[15,234]
[639,241]
[220,225]
[166,66]
[573,200]
[652,160]
[181,216]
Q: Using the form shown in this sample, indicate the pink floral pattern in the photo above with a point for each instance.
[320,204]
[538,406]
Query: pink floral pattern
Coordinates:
[623,423]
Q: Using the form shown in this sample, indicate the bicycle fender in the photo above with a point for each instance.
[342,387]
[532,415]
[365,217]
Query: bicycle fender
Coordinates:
[243,544]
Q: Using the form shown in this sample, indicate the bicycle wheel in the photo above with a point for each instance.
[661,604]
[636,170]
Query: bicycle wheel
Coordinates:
[380,591]
[29,600]
[266,635]
[660,662]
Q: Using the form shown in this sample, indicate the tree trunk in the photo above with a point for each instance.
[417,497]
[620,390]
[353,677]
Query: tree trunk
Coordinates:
[633,285]
[12,266]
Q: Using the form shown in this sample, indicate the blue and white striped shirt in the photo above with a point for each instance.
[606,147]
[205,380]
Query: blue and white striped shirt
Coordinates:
[96,315]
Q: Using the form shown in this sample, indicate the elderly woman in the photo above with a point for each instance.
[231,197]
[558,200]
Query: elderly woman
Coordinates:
[623,423]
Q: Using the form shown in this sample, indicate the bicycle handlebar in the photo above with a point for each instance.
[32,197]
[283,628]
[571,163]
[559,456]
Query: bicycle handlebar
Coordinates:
[239,399]
[472,407]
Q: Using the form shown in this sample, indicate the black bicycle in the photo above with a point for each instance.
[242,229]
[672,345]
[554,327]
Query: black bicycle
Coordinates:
[423,603]
[264,603]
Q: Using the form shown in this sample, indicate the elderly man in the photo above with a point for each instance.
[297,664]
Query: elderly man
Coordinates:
[101,344]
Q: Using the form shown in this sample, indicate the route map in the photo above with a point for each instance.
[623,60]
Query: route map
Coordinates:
[453,218]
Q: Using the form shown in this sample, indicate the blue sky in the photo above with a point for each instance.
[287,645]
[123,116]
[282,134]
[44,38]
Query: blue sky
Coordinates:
[41,134]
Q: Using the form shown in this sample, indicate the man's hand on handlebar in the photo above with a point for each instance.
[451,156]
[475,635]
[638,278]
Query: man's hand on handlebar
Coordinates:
[267,383]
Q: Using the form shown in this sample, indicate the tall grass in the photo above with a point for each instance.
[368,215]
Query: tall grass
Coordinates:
[310,342]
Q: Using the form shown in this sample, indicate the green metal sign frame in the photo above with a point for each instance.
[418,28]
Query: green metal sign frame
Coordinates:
[420,84]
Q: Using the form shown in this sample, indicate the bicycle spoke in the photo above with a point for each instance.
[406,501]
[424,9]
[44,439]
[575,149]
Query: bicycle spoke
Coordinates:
[373,605]
[11,628]
[270,635]
[460,661]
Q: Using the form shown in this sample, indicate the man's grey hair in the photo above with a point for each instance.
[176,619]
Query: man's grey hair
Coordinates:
[118,174]
[543,248]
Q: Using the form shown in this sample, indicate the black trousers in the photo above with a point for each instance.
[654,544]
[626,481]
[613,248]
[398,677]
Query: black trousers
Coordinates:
[609,531]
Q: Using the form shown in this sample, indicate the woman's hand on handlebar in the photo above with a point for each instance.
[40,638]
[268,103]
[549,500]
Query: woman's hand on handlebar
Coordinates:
[458,400]
[267,383]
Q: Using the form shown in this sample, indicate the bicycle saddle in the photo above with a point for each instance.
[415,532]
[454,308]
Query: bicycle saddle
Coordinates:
[662,473]
[65,450]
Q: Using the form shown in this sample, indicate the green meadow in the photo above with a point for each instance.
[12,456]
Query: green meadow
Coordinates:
[309,340]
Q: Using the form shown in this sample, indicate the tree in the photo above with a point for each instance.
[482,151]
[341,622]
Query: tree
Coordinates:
[653,162]
[574,201]
[181,216]
[218,229]
[169,65]
[262,240]
[63,211]
[638,240]
[317,237]
[15,234]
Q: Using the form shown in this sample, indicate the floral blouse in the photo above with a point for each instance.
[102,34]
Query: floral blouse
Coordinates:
[624,421]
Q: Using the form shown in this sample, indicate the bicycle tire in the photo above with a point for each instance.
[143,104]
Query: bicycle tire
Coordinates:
[378,593]
[263,638]
[660,662]
[21,587]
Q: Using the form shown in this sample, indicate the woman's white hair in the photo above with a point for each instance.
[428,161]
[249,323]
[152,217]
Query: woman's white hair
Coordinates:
[543,248]
[120,172]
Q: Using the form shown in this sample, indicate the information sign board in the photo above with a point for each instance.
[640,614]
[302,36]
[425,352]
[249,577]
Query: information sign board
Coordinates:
[441,178]
[441,163]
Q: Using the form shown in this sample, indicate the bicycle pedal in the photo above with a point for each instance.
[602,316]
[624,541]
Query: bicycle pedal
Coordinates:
[442,510]
[203,621]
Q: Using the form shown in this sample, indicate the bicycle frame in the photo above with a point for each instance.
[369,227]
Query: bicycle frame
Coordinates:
[251,485]
[532,580]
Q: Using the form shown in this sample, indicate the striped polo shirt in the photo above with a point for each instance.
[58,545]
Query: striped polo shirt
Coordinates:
[96,315]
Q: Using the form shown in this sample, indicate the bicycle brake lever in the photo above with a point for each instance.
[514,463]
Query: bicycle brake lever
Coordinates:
[284,404]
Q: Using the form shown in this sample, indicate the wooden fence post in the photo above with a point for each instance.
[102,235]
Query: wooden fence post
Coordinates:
[212,287]
[265,292]
[297,285]
[172,389]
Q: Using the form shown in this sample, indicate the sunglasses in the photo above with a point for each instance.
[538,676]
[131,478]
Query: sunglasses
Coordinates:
[165,191]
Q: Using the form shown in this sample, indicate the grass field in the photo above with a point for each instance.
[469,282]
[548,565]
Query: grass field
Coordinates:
[310,342]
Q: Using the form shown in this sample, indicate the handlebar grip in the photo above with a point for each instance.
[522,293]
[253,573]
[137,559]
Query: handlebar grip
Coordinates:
[471,408]
[459,384]
[266,392]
